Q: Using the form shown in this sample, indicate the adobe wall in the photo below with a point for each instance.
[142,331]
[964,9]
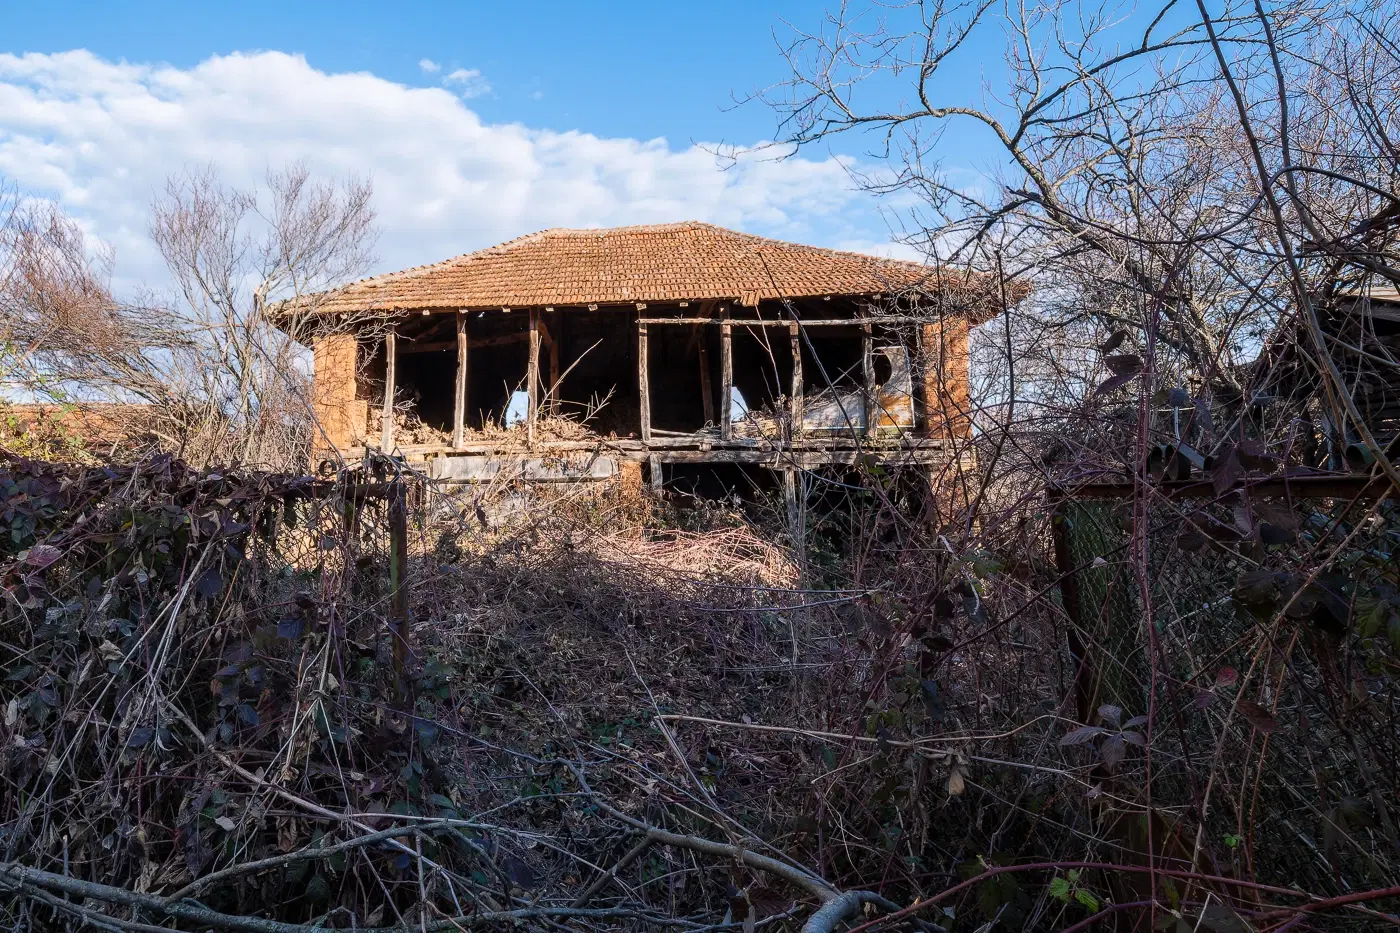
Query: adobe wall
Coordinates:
[944,377]
[333,399]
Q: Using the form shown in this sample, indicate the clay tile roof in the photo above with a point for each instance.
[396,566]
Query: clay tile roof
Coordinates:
[688,261]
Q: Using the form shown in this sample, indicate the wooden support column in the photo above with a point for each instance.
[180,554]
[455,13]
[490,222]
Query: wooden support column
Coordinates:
[707,394]
[532,377]
[643,383]
[391,353]
[654,468]
[867,366]
[797,519]
[459,397]
[795,334]
[726,377]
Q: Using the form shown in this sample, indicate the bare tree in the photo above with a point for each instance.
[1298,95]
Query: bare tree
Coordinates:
[1125,178]
[233,251]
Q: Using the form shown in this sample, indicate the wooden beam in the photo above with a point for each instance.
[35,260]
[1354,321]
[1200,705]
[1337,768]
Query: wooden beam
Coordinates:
[784,322]
[386,429]
[438,346]
[643,383]
[459,397]
[532,377]
[867,368]
[795,335]
[726,379]
[707,394]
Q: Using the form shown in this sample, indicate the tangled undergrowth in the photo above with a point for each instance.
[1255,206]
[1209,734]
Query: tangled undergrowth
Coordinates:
[596,721]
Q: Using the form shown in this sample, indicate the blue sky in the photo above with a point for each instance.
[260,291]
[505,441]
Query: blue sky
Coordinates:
[640,69]
[476,122]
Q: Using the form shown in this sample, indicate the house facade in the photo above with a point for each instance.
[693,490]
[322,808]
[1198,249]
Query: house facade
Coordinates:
[572,354]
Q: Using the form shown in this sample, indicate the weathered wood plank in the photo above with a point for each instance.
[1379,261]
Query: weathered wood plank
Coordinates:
[459,397]
[795,335]
[643,383]
[726,379]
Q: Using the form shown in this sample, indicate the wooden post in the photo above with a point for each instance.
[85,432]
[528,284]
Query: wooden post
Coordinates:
[795,333]
[532,377]
[386,430]
[643,383]
[654,468]
[707,396]
[459,399]
[867,366]
[726,378]
[797,529]
[398,586]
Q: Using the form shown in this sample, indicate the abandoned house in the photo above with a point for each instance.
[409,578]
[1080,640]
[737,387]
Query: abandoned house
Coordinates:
[675,348]
[1361,330]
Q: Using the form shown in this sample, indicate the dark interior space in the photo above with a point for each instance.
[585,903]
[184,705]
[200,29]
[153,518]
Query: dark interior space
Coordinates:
[428,381]
[601,346]
[498,354]
[831,356]
[680,357]
[691,484]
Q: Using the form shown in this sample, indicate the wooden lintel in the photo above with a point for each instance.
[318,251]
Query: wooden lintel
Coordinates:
[386,430]
[459,397]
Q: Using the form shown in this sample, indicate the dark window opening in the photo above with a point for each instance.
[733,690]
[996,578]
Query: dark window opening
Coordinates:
[762,367]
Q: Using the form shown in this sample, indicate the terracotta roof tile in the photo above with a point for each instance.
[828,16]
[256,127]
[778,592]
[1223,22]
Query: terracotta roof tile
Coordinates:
[666,262]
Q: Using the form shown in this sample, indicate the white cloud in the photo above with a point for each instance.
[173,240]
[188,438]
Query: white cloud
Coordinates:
[429,66]
[468,81]
[101,137]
